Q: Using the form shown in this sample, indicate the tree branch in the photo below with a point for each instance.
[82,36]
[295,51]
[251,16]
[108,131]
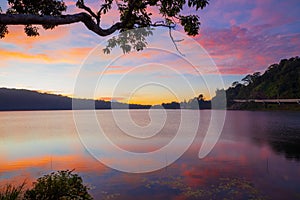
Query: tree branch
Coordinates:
[25,19]
[162,24]
[174,42]
[81,5]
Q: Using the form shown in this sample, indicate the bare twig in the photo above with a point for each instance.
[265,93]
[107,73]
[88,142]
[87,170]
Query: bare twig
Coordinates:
[174,42]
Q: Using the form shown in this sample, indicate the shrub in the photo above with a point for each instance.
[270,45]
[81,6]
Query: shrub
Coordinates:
[61,185]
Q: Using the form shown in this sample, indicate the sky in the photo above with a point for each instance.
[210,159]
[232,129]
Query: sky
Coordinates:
[237,37]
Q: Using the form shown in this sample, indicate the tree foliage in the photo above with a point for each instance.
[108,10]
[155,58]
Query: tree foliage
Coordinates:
[36,7]
[280,81]
[133,14]
[61,185]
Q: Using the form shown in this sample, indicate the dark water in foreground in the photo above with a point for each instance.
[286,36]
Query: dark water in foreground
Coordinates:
[257,156]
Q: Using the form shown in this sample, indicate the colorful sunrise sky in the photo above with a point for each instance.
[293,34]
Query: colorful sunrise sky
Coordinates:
[239,36]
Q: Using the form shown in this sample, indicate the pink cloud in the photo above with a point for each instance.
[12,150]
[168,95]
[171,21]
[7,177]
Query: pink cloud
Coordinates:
[246,36]
[238,50]
[272,12]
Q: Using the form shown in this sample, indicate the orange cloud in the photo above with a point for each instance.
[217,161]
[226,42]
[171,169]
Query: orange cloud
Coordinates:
[17,36]
[117,71]
[15,55]
[71,56]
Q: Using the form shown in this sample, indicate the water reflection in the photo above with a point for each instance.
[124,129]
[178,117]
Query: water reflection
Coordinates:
[291,149]
[251,159]
[279,130]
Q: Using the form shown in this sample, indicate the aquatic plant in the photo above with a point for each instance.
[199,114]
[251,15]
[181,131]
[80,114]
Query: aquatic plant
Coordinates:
[225,188]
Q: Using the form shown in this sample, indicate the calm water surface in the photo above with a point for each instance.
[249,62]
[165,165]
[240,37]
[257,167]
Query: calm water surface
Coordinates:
[257,156]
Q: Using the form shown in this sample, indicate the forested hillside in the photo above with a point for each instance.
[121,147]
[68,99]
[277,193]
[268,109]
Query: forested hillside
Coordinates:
[279,81]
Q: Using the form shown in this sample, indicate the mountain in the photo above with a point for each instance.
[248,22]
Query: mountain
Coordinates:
[20,99]
[279,81]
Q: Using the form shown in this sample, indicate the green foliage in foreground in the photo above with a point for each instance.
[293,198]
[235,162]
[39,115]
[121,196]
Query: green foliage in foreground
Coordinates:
[10,192]
[61,185]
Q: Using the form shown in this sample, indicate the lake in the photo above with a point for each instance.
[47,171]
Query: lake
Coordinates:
[257,155]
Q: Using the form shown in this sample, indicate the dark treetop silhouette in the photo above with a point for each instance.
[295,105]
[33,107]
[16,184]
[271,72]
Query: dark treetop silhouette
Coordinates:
[133,14]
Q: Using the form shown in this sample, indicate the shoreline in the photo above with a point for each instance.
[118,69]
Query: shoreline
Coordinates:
[264,107]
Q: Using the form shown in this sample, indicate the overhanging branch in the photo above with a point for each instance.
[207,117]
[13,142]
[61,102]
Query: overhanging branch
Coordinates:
[25,19]
[81,5]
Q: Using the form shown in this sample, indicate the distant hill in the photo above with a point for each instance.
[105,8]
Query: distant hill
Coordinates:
[279,81]
[20,99]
